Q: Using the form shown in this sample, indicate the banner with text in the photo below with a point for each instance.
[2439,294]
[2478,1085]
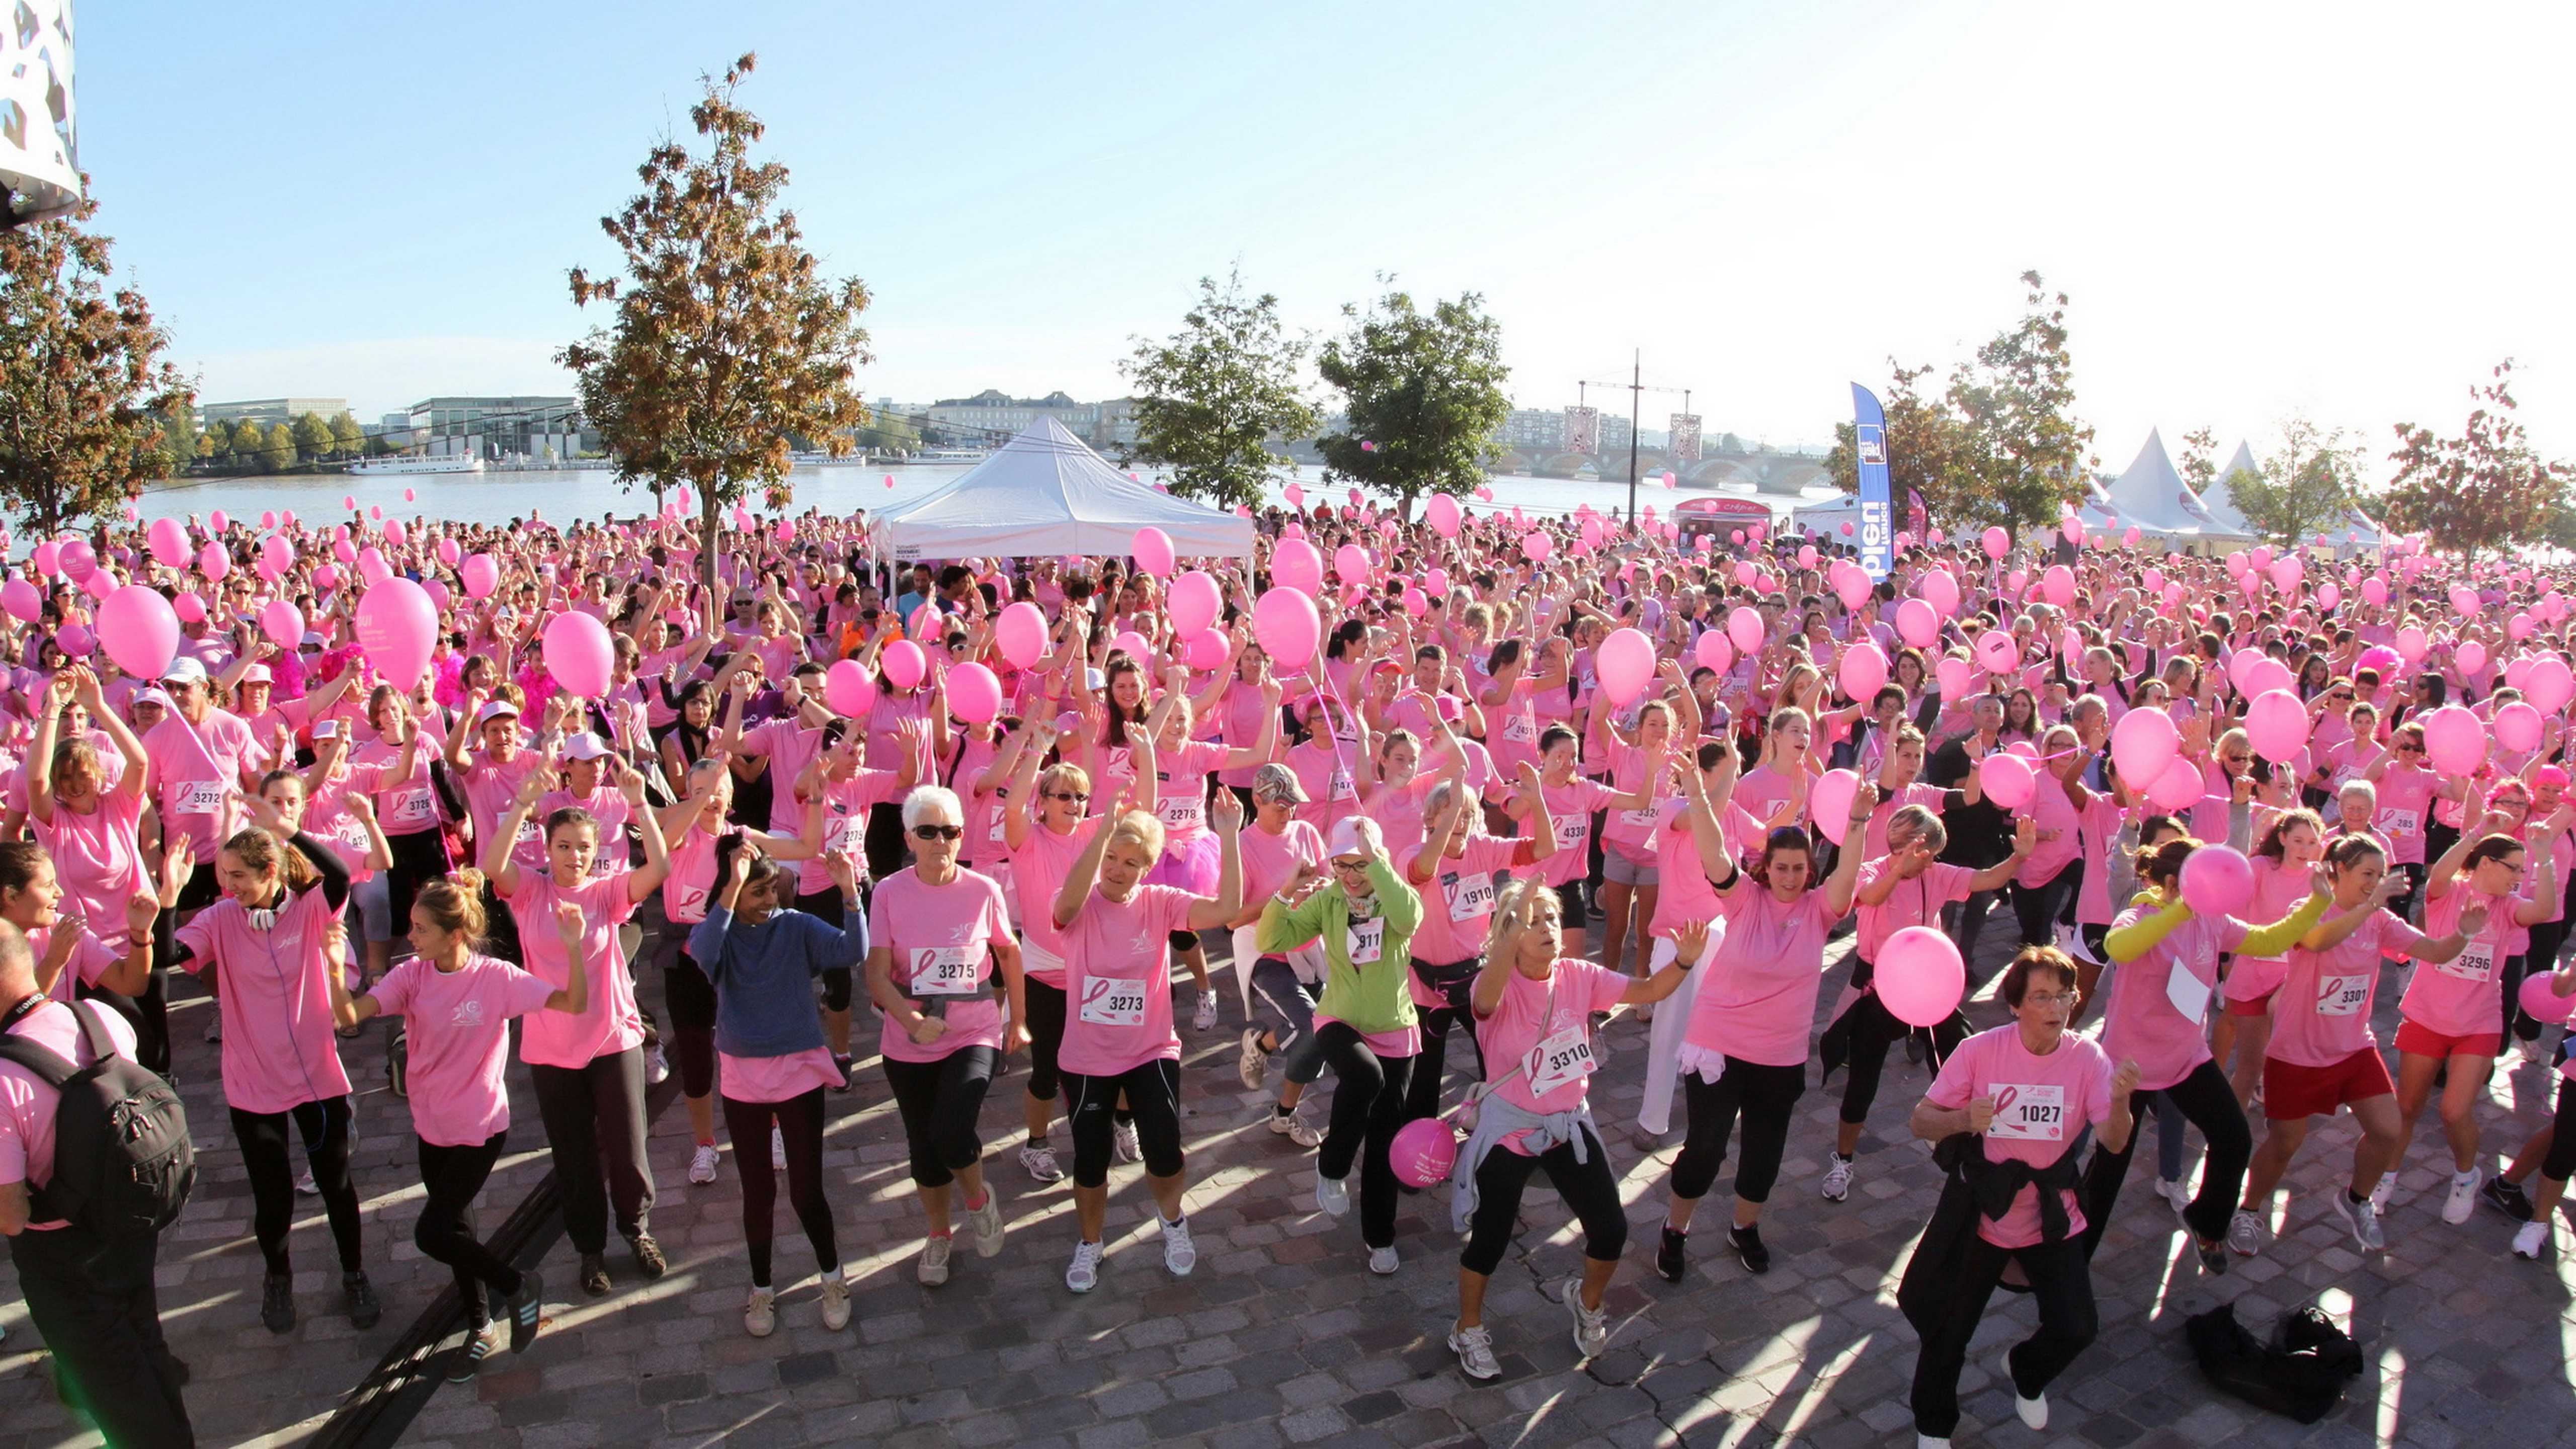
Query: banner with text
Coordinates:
[1877,515]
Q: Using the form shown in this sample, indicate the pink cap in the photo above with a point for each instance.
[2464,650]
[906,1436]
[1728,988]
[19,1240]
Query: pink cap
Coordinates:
[2550,775]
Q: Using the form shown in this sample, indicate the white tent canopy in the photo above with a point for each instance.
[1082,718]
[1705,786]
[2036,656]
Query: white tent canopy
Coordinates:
[1827,517]
[2220,500]
[2152,496]
[1046,492]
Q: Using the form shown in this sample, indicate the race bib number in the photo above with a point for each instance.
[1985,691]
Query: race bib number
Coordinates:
[410,808]
[1572,831]
[1646,819]
[1520,729]
[948,971]
[1366,940]
[1181,812]
[1561,1059]
[2342,995]
[200,797]
[2476,962]
[352,839]
[844,834]
[529,834]
[2188,993]
[1471,895]
[994,835]
[692,906]
[1113,1000]
[2394,822]
[2028,1113]
[1340,786]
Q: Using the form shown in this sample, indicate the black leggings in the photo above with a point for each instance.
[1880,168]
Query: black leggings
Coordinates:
[2559,1163]
[1454,982]
[1873,1030]
[883,842]
[152,1032]
[825,905]
[1965,921]
[1589,1187]
[2208,1102]
[1766,1096]
[2040,907]
[1046,1035]
[939,1102]
[419,858]
[445,1233]
[800,1125]
[1368,1107]
[1153,1093]
[690,1000]
[2061,1279]
[325,1129]
[594,1116]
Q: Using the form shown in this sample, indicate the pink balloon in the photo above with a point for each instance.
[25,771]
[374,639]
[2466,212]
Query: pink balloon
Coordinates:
[78,560]
[2470,656]
[1625,664]
[2006,778]
[1862,670]
[2143,743]
[350,502]
[1853,587]
[217,522]
[276,556]
[1538,545]
[2217,881]
[438,594]
[1952,674]
[76,641]
[847,689]
[1920,977]
[397,626]
[189,608]
[2464,601]
[169,541]
[372,566]
[1744,629]
[283,623]
[1806,553]
[2176,787]
[1916,624]
[2057,585]
[448,552]
[2277,724]
[1997,653]
[1296,564]
[214,563]
[376,510]
[268,518]
[1829,801]
[2455,740]
[2517,727]
[1352,562]
[2411,644]
[1195,601]
[1152,550]
[577,652]
[1847,528]
[1714,652]
[411,495]
[1416,602]
[47,557]
[21,600]
[904,664]
[2072,530]
[395,533]
[1207,649]
[1133,645]
[1941,591]
[1021,632]
[2550,684]
[2374,591]
[974,694]
[1284,621]
[140,630]
[481,575]
[1425,1151]
[1443,515]
[2328,596]
[2538,998]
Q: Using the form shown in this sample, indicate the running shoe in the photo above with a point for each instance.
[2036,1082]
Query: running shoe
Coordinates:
[1038,1161]
[836,1301]
[1251,1063]
[526,1310]
[1332,1195]
[777,1149]
[1122,1141]
[359,1296]
[2033,1410]
[1475,1350]
[1205,1018]
[594,1275]
[932,1270]
[1838,1177]
[1180,1254]
[304,1184]
[2532,1240]
[1669,1257]
[277,1302]
[1383,1262]
[2507,1198]
[760,1314]
[702,1163]
[2386,1189]
[648,1256]
[2363,1218]
[1591,1325]
[657,1067]
[2213,1256]
[1295,1128]
[1084,1273]
[986,1222]
[2245,1233]
[846,1067]
[1747,1242]
[2462,1200]
[467,1361]
[2175,1192]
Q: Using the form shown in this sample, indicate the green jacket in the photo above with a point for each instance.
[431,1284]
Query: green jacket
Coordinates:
[1371,997]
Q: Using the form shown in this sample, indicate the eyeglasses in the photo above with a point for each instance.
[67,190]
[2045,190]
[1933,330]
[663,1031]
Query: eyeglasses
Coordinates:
[2410,749]
[1077,797]
[2051,998]
[938,832]
[1350,865]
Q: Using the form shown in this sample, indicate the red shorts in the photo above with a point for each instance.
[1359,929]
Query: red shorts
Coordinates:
[2259,1006]
[2292,1091]
[2423,1041]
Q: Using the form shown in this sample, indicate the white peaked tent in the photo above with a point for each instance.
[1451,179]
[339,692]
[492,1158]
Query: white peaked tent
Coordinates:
[2220,500]
[2355,534]
[2151,496]
[1826,519]
[1046,492]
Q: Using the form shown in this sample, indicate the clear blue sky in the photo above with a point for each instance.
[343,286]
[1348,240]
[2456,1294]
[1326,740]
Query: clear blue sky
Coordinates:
[2297,209]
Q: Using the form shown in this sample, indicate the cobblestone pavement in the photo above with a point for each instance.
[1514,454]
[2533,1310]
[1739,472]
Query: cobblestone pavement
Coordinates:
[1282,1337]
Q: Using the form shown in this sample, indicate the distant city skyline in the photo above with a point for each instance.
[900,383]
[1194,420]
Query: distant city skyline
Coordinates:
[1769,202]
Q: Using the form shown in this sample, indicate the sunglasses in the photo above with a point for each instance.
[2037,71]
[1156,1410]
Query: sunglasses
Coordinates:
[1075,796]
[938,832]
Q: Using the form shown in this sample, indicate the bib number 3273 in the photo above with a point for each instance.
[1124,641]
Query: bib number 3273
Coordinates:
[1113,1000]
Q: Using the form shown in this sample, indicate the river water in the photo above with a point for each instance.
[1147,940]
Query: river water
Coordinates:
[591,493]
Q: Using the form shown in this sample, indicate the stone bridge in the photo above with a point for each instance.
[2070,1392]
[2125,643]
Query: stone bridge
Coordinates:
[1764,472]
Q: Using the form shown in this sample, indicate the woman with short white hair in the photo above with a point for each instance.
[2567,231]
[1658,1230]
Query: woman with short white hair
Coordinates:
[938,935]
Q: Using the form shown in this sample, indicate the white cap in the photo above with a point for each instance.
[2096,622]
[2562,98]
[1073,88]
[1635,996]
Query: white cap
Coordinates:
[585,746]
[186,669]
[257,674]
[1350,839]
[497,709]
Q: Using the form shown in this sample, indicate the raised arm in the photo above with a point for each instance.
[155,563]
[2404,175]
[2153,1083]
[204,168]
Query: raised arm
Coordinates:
[1846,873]
[1225,817]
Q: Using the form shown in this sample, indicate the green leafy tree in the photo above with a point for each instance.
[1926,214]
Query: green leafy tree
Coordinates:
[728,341]
[2481,491]
[2025,454]
[1422,396]
[885,431]
[347,438]
[1926,443]
[280,451]
[179,436]
[2302,489]
[208,450]
[312,437]
[2199,466]
[1212,395]
[86,397]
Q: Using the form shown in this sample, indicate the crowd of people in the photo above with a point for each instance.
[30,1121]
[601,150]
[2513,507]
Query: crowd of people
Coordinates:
[1399,768]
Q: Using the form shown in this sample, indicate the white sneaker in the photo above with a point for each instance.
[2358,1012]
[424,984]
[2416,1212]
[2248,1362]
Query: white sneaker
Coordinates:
[1084,1274]
[2463,1198]
[1122,1141]
[2532,1239]
[657,1067]
[1251,1064]
[2245,1233]
[2033,1410]
[1295,1128]
[932,1270]
[2386,1189]
[1838,1177]
[2363,1218]
[304,1184]
[986,1222]
[1383,1262]
[777,1149]
[760,1315]
[1038,1161]
[836,1301]
[1475,1350]
[1332,1194]
[1180,1255]
[1928,1441]
[2175,1193]
[702,1163]
[1591,1325]
[1205,1019]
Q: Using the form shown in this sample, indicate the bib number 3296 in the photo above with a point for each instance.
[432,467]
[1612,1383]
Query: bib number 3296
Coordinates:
[1113,1000]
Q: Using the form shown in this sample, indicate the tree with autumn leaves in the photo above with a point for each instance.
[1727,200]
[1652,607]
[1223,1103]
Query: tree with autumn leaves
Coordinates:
[2481,491]
[728,342]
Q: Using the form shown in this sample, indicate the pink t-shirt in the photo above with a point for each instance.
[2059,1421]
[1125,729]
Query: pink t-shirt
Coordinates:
[405,804]
[2159,1011]
[1759,998]
[1685,894]
[778,1079]
[1271,861]
[1038,869]
[1532,1039]
[1914,902]
[1239,721]
[845,822]
[2039,1102]
[2277,892]
[96,861]
[789,745]
[1457,903]
[610,1024]
[90,958]
[2054,814]
[27,1105]
[884,747]
[941,938]
[692,876]
[1632,832]
[1181,772]
[1569,809]
[1325,775]
[2322,1013]
[2405,807]
[458,1026]
[490,788]
[2098,824]
[276,999]
[1118,981]
[2459,997]
[191,768]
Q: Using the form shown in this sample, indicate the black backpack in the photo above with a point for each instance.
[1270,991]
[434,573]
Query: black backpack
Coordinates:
[123,1162]
[2302,1375]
